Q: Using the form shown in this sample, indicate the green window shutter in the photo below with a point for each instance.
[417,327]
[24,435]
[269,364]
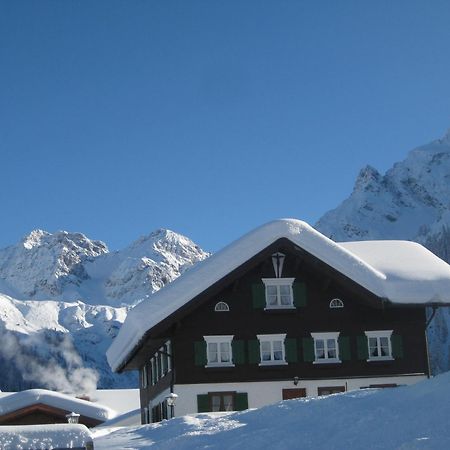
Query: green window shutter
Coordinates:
[299,290]
[203,403]
[344,348]
[362,345]
[291,350]
[308,349]
[241,401]
[238,352]
[254,356]
[200,353]
[397,346]
[259,295]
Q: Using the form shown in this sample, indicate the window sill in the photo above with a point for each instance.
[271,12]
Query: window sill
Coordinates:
[218,366]
[328,361]
[279,307]
[381,359]
[272,363]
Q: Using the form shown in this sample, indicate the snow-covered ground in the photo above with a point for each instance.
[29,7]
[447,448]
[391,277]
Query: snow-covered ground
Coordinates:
[405,418]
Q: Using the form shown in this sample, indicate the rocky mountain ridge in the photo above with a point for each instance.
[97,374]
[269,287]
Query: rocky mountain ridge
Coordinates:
[63,298]
[411,201]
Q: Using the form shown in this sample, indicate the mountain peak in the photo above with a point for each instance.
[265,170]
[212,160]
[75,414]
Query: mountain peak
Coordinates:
[367,179]
[34,238]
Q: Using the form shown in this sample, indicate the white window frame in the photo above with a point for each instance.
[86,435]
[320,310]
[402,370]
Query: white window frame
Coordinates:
[221,307]
[379,334]
[219,340]
[336,303]
[324,337]
[277,282]
[272,338]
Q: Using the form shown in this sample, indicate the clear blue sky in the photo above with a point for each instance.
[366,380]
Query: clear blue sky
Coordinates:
[208,117]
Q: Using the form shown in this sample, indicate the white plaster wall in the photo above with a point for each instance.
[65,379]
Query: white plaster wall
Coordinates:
[268,392]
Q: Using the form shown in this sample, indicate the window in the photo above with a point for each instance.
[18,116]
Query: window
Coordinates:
[146,417]
[328,390]
[144,376]
[379,343]
[336,303]
[221,307]
[219,351]
[272,350]
[279,293]
[326,349]
[221,401]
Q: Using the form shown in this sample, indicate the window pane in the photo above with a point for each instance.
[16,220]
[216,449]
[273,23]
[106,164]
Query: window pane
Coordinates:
[215,402]
[212,353]
[331,347]
[225,352]
[373,346]
[228,402]
[384,346]
[285,290]
[320,348]
[272,295]
[277,350]
[266,353]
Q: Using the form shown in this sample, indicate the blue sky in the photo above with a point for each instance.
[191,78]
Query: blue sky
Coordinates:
[208,117]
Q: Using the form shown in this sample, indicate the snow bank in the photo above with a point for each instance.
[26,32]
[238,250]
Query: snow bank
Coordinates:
[30,397]
[397,285]
[404,418]
[47,437]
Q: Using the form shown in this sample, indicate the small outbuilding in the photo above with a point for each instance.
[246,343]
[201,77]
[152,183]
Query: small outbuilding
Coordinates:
[40,406]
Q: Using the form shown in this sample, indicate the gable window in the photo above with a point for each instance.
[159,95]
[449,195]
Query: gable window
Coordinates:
[326,349]
[336,303]
[279,293]
[219,351]
[379,344]
[221,307]
[272,349]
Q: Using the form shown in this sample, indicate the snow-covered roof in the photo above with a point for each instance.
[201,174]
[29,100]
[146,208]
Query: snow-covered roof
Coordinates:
[44,436]
[422,279]
[23,399]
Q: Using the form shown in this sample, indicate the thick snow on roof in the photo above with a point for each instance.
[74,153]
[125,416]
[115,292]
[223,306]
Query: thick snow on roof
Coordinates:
[413,273]
[31,397]
[407,286]
[44,436]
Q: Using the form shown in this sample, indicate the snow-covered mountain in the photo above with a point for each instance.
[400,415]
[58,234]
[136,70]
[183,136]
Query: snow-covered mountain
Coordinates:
[63,297]
[410,201]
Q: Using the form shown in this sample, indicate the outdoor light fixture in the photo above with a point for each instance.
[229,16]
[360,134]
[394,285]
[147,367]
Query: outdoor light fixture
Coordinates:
[296,380]
[171,400]
[72,417]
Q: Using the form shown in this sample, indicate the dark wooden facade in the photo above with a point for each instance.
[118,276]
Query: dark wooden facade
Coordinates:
[362,312]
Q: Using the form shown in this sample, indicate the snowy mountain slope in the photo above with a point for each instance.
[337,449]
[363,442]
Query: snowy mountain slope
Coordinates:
[70,266]
[411,201]
[405,418]
[63,297]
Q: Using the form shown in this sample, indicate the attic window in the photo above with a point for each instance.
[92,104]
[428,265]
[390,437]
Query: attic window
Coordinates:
[221,307]
[336,303]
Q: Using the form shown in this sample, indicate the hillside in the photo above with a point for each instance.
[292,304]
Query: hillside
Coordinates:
[410,201]
[405,418]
